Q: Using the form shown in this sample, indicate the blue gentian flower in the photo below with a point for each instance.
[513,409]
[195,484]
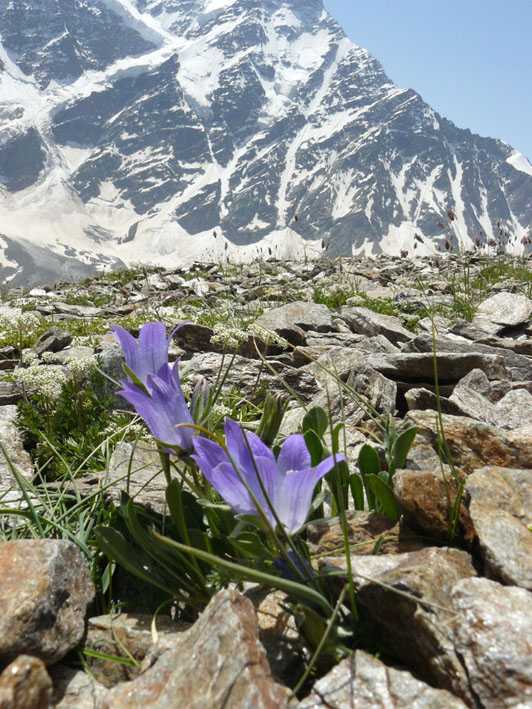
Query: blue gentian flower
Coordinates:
[159,401]
[289,480]
[162,406]
[147,354]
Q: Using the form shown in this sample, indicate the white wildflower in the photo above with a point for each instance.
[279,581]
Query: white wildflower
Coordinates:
[267,336]
[46,381]
[79,369]
[228,337]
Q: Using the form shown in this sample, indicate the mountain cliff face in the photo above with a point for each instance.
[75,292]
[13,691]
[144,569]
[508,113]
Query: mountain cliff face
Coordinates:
[160,130]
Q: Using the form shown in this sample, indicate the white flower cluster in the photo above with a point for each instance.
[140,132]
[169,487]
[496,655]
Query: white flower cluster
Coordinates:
[228,337]
[79,369]
[136,430]
[267,336]
[29,357]
[222,410]
[13,320]
[46,381]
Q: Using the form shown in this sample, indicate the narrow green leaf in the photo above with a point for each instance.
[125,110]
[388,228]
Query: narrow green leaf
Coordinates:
[115,547]
[305,593]
[401,448]
[385,497]
[316,420]
[357,491]
[314,445]
[368,460]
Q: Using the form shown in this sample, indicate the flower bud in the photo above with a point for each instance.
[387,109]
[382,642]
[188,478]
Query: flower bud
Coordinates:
[275,407]
[200,400]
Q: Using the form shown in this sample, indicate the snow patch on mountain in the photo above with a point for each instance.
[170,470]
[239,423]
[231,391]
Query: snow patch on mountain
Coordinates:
[231,129]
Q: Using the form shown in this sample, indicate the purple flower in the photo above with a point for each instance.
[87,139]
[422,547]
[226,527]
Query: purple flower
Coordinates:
[163,407]
[288,481]
[147,354]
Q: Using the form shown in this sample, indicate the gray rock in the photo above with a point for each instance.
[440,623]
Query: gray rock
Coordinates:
[492,631]
[74,689]
[508,309]
[46,588]
[13,454]
[519,366]
[500,507]
[71,354]
[419,366]
[25,684]
[363,682]
[218,663]
[421,399]
[514,409]
[364,321]
[251,377]
[291,321]
[477,329]
[53,340]
[135,469]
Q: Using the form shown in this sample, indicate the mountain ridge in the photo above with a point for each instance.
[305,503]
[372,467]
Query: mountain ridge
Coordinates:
[238,129]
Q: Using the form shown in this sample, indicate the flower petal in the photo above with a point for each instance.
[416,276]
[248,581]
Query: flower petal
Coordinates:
[127,342]
[328,464]
[153,346]
[294,494]
[239,450]
[226,483]
[294,454]
[208,454]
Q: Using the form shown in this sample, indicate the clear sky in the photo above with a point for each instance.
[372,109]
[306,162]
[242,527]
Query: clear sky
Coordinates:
[471,60]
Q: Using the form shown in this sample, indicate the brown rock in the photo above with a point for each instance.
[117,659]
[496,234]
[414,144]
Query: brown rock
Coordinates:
[427,498]
[416,628]
[500,506]
[363,682]
[127,635]
[473,444]
[44,594]
[25,684]
[368,532]
[218,663]
[278,634]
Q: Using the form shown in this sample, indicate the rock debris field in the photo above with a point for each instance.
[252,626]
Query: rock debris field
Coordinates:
[443,590]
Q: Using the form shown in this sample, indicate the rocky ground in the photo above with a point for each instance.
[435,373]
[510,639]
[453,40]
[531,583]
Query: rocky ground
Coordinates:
[444,595]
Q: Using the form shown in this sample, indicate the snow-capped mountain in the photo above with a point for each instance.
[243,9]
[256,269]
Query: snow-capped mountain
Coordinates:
[161,130]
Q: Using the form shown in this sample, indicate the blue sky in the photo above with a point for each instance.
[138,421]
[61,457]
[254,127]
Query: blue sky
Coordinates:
[470,59]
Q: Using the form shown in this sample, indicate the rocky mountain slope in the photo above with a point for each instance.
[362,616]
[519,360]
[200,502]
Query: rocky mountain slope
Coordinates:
[142,130]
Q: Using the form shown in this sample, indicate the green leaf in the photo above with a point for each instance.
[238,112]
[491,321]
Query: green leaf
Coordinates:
[401,448]
[385,497]
[115,547]
[316,420]
[185,572]
[336,437]
[305,593]
[368,460]
[357,491]
[315,446]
